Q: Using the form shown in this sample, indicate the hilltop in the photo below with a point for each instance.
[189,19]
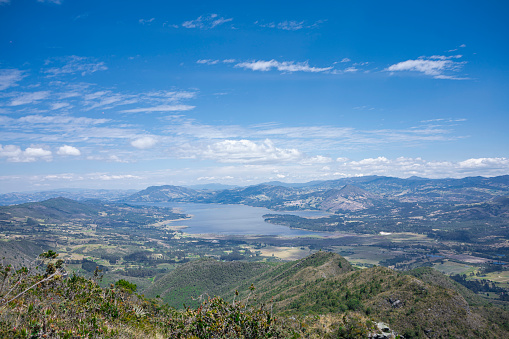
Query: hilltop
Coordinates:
[325,283]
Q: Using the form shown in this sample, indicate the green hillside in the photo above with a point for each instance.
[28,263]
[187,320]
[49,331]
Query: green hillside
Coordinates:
[52,210]
[320,296]
[325,283]
[205,277]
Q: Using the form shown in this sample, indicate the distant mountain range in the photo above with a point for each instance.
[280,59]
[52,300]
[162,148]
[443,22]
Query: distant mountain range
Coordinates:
[349,194]
[341,195]
[74,194]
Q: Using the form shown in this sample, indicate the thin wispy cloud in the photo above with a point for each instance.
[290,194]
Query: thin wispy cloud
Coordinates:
[74,64]
[10,78]
[206,22]
[284,66]
[207,61]
[160,108]
[28,98]
[56,2]
[146,21]
[436,66]
[59,105]
[290,25]
[281,66]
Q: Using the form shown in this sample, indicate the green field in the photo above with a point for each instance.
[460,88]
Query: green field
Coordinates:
[450,267]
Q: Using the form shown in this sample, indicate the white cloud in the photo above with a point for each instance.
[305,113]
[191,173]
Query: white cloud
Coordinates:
[74,64]
[58,105]
[9,78]
[56,2]
[108,99]
[68,150]
[170,95]
[285,66]
[313,139]
[291,25]
[318,159]
[144,142]
[247,152]
[146,21]
[405,167]
[444,57]
[156,100]
[56,120]
[160,108]
[14,153]
[269,25]
[116,177]
[28,98]
[207,61]
[485,162]
[371,161]
[350,70]
[206,22]
[434,66]
[345,60]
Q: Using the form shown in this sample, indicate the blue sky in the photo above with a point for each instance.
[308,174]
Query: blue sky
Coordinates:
[128,94]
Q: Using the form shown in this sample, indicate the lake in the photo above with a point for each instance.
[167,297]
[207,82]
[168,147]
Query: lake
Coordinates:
[234,219]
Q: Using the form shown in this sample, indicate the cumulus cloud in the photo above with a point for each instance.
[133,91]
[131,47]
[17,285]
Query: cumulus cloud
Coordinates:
[246,152]
[116,177]
[285,66]
[9,77]
[318,159]
[68,150]
[405,167]
[206,22]
[371,161]
[485,162]
[14,153]
[434,66]
[74,64]
[144,142]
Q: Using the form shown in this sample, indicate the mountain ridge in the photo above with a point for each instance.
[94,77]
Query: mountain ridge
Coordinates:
[325,282]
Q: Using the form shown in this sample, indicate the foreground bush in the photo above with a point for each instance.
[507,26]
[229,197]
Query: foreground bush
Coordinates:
[79,307]
[44,302]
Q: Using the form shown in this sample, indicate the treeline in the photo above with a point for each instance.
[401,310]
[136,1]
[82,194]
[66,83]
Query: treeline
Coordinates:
[477,285]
